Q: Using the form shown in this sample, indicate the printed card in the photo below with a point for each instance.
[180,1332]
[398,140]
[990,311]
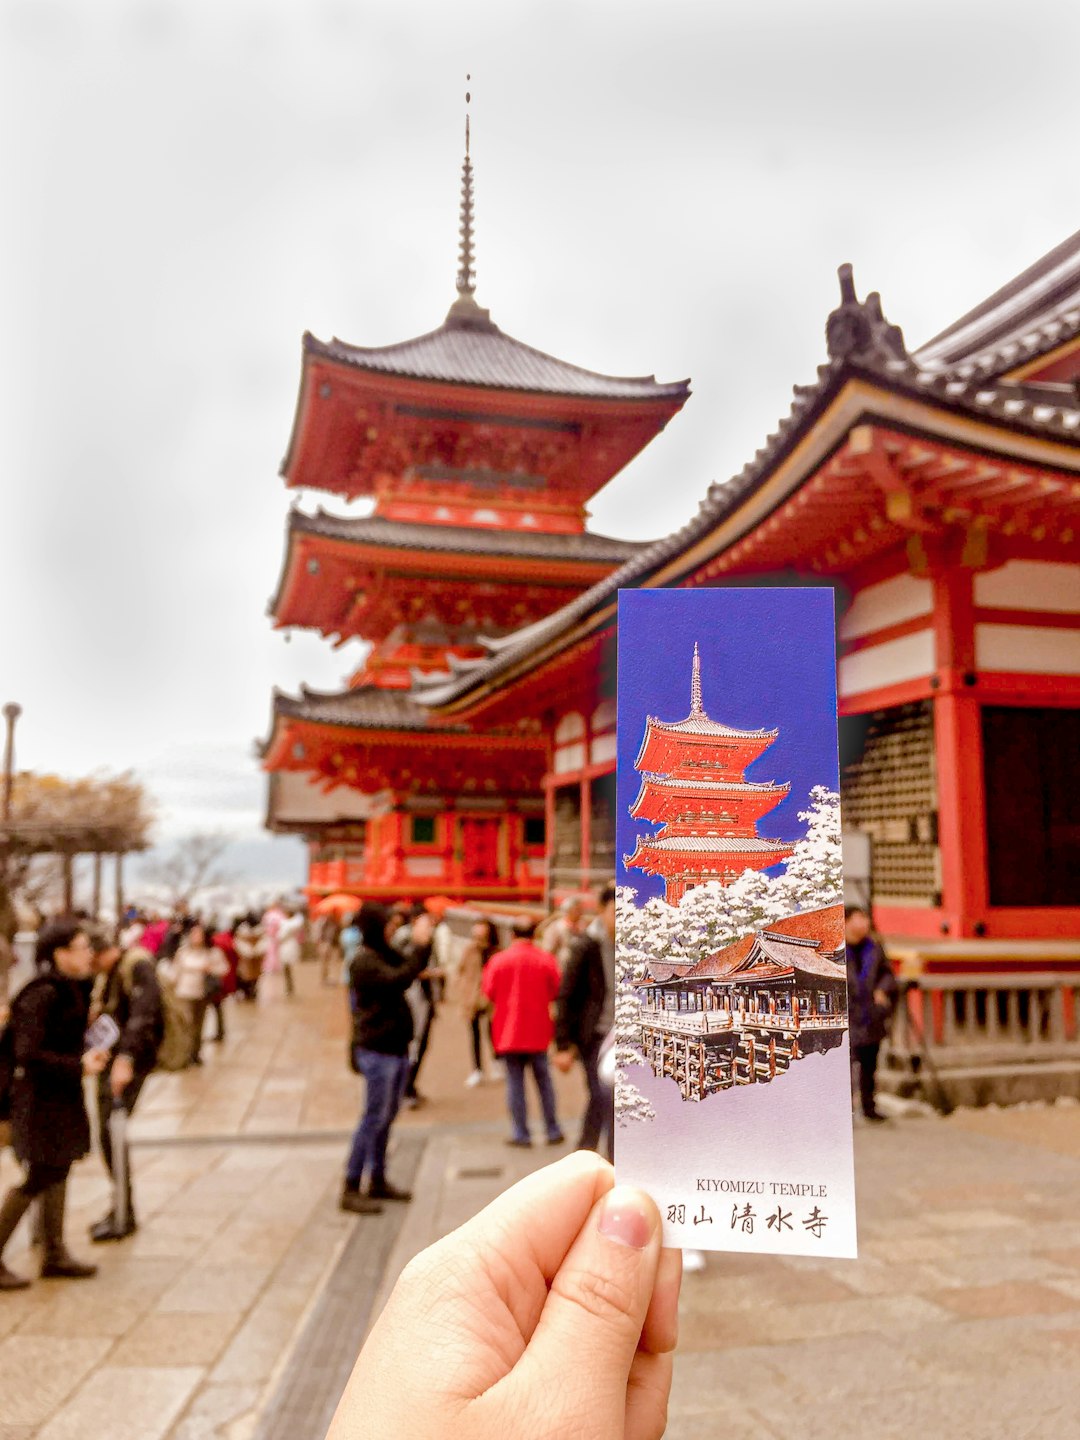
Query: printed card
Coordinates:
[733,1092]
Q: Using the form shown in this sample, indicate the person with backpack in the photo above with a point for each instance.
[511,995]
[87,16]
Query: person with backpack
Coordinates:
[42,1063]
[126,989]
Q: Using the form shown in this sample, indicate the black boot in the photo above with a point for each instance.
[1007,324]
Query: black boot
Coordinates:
[58,1264]
[12,1211]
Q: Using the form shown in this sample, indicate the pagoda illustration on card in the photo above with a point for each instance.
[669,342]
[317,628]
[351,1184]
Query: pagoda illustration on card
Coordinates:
[742,1015]
[693,784]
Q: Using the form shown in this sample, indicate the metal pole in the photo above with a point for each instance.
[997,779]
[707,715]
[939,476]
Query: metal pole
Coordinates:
[11,714]
[7,918]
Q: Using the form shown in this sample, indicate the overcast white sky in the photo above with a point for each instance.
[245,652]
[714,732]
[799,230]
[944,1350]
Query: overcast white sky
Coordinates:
[664,187]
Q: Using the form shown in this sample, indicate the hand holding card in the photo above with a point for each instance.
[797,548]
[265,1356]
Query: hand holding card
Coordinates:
[733,1072]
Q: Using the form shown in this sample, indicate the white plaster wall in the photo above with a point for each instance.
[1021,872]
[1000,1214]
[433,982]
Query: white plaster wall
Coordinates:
[889,602]
[908,658]
[1030,585]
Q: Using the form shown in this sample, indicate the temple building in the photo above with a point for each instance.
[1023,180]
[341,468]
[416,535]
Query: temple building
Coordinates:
[937,492]
[747,1013]
[694,785]
[477,456]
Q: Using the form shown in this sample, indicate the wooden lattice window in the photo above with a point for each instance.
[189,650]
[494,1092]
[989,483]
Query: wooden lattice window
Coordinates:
[889,790]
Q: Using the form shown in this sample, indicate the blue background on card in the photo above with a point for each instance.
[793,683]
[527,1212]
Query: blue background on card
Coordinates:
[767,662]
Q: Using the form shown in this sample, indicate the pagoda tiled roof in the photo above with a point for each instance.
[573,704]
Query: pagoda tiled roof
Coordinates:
[472,350]
[738,787]
[700,724]
[713,844]
[1031,315]
[367,707]
[862,345]
[461,539]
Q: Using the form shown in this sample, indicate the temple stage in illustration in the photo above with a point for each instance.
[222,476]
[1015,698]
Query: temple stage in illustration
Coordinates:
[743,1015]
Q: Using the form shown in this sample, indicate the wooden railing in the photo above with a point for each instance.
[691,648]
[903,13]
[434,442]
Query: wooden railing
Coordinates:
[971,1038]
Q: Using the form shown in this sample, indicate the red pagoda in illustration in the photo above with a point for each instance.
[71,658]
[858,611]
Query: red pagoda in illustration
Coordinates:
[480,455]
[693,786]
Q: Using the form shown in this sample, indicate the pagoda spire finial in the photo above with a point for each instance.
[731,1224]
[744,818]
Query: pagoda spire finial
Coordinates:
[466,277]
[465,313]
[695,685]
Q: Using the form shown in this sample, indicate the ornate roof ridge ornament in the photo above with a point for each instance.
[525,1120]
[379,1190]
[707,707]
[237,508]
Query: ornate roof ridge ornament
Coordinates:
[858,328]
[465,313]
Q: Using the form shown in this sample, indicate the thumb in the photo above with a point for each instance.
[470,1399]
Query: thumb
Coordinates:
[588,1332]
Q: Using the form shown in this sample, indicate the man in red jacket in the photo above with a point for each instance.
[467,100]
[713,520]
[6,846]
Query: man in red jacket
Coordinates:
[521,983]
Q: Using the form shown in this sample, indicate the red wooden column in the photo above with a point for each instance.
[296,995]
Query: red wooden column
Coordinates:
[959,753]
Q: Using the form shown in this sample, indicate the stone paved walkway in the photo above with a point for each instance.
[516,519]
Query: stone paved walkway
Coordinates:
[961,1318]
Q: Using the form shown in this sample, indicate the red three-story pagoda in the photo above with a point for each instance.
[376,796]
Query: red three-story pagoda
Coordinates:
[480,454]
[693,785]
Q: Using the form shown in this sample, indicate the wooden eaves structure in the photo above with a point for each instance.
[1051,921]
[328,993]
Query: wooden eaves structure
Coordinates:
[938,493]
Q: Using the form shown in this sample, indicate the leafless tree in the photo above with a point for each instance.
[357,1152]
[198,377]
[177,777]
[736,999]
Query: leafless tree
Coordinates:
[193,864]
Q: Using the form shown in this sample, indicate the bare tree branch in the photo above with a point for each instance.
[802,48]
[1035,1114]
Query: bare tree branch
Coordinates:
[192,865]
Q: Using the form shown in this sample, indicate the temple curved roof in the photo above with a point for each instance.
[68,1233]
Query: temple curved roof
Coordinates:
[700,724]
[862,345]
[472,350]
[367,707]
[738,787]
[713,844]
[1034,313]
[462,539]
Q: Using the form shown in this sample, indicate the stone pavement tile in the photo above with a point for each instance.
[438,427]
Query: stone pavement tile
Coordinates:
[1010,1298]
[966,1197]
[17,1432]
[89,1309]
[215,1412]
[217,1289]
[175,1339]
[39,1372]
[962,1270]
[246,1241]
[870,1276]
[257,1346]
[968,1220]
[1070,1259]
[851,1317]
[928,1249]
[1068,1285]
[733,1393]
[125,1403]
[983,1407]
[163,1241]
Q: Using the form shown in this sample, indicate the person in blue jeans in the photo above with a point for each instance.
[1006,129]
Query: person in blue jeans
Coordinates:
[382,1031]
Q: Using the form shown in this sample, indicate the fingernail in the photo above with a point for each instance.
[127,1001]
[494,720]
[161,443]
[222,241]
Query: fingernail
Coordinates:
[626,1218]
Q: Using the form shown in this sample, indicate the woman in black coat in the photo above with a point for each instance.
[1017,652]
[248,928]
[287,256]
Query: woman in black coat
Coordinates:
[49,1125]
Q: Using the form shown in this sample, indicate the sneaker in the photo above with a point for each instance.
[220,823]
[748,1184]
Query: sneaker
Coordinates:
[357,1204]
[383,1190]
[413,1102]
[557,1139]
[875,1117]
[474,1079]
[497,1071]
[519,1144]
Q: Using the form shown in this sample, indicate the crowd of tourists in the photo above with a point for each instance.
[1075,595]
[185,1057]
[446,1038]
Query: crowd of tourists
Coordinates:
[116,1005]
